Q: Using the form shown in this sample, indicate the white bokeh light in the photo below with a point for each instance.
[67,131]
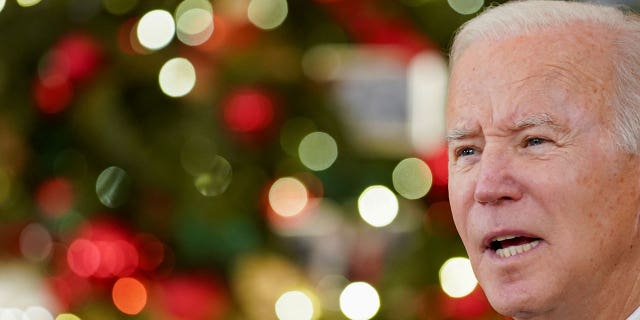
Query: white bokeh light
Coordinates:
[194,21]
[359,301]
[267,14]
[2,3]
[288,196]
[156,29]
[294,305]
[177,77]
[378,206]
[38,313]
[456,277]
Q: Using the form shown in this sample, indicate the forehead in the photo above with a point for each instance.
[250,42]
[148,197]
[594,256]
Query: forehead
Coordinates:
[553,69]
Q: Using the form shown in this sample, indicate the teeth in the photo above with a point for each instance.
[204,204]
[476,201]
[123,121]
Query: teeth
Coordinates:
[502,238]
[513,250]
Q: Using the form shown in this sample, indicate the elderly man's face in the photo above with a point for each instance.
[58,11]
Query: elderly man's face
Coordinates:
[545,204]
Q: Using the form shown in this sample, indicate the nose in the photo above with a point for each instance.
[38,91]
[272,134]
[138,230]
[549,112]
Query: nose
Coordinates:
[496,181]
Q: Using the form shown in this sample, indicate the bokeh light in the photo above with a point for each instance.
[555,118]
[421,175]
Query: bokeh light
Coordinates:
[28,3]
[53,93]
[177,77]
[37,313]
[194,21]
[294,305]
[67,316]
[288,196]
[456,277]
[217,179]
[11,314]
[156,29]
[427,77]
[55,197]
[267,14]
[119,7]
[378,206]
[466,6]
[113,186]
[129,295]
[2,3]
[83,257]
[36,242]
[318,151]
[412,178]
[192,297]
[359,301]
[248,110]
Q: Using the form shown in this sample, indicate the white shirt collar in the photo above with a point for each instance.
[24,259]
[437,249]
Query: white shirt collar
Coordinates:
[635,315]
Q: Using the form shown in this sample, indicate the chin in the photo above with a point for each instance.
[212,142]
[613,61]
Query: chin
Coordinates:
[515,302]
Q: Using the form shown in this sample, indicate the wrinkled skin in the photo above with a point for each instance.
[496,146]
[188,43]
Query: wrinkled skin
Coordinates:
[532,153]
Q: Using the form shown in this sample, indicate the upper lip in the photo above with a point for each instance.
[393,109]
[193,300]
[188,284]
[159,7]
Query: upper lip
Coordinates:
[490,237]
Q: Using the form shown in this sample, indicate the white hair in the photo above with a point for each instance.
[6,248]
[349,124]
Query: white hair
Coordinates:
[527,17]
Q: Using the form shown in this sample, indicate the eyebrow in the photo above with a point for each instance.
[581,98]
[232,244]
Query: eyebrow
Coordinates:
[533,120]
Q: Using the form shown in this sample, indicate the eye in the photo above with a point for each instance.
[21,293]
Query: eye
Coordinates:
[534,141]
[465,152]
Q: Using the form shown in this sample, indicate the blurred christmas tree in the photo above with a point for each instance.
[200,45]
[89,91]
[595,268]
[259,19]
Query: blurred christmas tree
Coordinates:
[235,159]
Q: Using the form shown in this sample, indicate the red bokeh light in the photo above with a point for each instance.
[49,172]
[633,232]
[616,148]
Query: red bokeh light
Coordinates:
[76,56]
[193,298]
[83,257]
[248,110]
[55,197]
[103,250]
[53,94]
[72,60]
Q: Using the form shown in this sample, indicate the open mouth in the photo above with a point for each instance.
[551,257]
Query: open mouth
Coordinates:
[511,245]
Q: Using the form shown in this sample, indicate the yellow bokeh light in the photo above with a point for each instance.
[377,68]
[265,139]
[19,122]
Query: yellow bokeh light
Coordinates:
[28,3]
[378,206]
[288,196]
[2,3]
[456,277]
[318,151]
[156,29]
[267,14]
[466,6]
[412,178]
[67,316]
[294,305]
[194,21]
[359,301]
[177,77]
